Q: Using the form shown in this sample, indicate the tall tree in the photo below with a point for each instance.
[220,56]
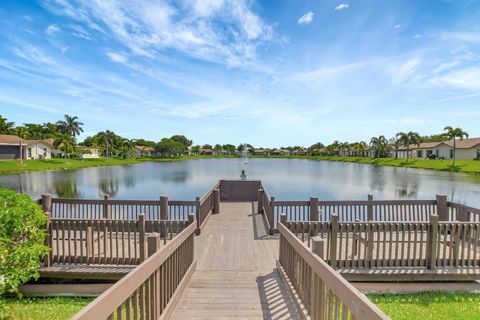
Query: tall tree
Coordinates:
[408,139]
[65,142]
[23,134]
[6,127]
[380,145]
[70,125]
[454,133]
[106,139]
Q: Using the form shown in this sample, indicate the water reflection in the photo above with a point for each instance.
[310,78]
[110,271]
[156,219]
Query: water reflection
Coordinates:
[285,178]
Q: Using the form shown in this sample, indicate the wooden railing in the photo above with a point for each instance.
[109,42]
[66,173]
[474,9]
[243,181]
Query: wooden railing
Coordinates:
[105,241]
[162,209]
[323,293]
[378,244]
[209,203]
[148,291]
[460,212]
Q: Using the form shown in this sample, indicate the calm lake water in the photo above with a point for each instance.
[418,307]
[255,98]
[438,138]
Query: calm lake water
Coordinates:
[286,179]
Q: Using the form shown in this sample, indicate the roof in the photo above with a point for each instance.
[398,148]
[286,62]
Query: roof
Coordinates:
[11,139]
[465,143]
[144,148]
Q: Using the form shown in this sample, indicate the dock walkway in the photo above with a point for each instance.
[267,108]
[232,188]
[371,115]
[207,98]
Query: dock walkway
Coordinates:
[235,275]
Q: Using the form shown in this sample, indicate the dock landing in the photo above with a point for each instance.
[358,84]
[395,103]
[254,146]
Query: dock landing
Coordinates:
[235,275]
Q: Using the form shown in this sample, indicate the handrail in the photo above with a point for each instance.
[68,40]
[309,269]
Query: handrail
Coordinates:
[120,293]
[295,257]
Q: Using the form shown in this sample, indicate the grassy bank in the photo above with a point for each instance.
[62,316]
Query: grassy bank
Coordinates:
[42,308]
[468,166]
[429,305]
[13,166]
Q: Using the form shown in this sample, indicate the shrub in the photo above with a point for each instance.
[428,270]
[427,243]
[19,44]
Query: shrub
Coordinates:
[22,235]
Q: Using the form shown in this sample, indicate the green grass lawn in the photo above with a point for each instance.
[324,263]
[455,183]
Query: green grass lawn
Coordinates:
[429,305]
[468,166]
[57,308]
[12,166]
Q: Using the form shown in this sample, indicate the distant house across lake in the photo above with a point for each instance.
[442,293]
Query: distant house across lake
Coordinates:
[31,149]
[88,152]
[466,149]
[142,151]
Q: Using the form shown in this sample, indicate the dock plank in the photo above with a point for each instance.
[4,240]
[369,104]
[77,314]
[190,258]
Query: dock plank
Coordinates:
[235,275]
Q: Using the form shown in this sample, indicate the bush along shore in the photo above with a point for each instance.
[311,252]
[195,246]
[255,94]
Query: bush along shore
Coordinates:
[467,166]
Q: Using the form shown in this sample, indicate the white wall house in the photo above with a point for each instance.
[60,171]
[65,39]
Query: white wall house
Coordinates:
[31,149]
[88,152]
[466,149]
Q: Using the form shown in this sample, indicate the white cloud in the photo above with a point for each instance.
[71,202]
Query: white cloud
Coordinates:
[52,29]
[466,78]
[117,57]
[397,26]
[307,18]
[342,6]
[402,72]
[417,36]
[63,50]
[462,36]
[227,32]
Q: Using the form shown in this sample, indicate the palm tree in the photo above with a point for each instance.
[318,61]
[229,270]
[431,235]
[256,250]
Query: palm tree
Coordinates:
[70,125]
[359,146]
[127,149]
[64,141]
[407,139]
[6,127]
[106,138]
[379,144]
[454,133]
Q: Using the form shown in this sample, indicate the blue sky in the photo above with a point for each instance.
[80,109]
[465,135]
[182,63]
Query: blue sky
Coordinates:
[269,73]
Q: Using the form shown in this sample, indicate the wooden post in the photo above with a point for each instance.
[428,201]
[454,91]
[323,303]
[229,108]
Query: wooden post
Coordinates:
[47,203]
[89,242]
[432,242]
[191,218]
[216,200]
[271,218]
[153,243]
[163,208]
[141,233]
[47,259]
[197,210]
[333,240]
[106,208]
[370,208]
[260,201]
[318,245]
[283,219]
[442,207]
[313,214]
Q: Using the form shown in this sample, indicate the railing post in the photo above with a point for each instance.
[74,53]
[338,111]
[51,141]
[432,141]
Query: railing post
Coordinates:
[197,210]
[191,218]
[432,242]
[47,259]
[370,208]
[318,245]
[333,240]
[89,242]
[163,207]
[260,201]
[283,219]
[163,214]
[106,208]
[271,217]
[216,200]
[47,203]
[141,233]
[153,243]
[313,214]
[442,210]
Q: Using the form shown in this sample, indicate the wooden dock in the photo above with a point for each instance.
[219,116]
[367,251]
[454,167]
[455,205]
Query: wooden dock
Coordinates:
[235,275]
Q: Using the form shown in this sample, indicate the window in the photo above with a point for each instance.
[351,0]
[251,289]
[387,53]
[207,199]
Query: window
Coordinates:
[478,153]
[451,153]
[45,152]
[419,154]
[29,152]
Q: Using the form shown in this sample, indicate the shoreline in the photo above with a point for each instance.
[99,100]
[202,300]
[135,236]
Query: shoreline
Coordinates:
[13,166]
[463,166]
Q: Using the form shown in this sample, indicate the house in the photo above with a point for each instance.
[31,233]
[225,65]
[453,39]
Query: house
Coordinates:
[207,152]
[143,151]
[260,152]
[31,149]
[88,152]
[465,149]
[281,152]
[300,152]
